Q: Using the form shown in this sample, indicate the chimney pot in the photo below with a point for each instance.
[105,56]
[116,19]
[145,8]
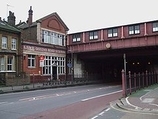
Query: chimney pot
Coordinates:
[30,16]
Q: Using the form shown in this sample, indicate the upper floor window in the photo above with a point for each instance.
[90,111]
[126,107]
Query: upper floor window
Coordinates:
[53,38]
[93,35]
[76,38]
[155,26]
[135,29]
[112,32]
[4,42]
[31,61]
[13,44]
[10,63]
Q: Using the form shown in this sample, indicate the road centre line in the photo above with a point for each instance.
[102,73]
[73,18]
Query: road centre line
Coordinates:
[63,94]
[3,103]
[101,95]
[95,117]
[107,109]
[100,114]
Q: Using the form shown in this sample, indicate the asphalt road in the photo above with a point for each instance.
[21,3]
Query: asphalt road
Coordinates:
[79,102]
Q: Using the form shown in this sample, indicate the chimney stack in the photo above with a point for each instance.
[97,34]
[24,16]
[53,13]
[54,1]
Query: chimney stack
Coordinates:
[11,18]
[30,16]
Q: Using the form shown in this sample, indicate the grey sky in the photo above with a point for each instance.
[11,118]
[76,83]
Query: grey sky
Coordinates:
[81,15]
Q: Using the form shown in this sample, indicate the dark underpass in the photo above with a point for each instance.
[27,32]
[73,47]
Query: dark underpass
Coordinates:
[107,65]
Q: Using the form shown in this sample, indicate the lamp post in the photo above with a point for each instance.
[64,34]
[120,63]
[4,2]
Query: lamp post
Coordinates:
[72,68]
[72,65]
[125,78]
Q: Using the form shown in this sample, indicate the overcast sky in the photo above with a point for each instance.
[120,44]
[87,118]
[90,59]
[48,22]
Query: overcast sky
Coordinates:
[82,15]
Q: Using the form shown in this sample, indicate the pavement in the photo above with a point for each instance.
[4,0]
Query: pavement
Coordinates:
[37,86]
[10,89]
[144,101]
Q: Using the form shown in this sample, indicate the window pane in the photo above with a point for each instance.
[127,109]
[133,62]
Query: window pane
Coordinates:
[137,31]
[53,38]
[131,30]
[95,35]
[114,32]
[155,27]
[91,35]
[10,64]
[4,42]
[2,63]
[13,44]
[31,61]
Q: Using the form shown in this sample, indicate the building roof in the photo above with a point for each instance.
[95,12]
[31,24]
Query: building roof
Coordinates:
[113,27]
[57,16]
[5,26]
[25,25]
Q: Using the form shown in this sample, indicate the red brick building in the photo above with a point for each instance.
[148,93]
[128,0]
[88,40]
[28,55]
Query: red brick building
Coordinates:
[44,47]
[99,53]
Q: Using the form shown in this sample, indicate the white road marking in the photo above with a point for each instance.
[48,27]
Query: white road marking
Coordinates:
[94,117]
[154,104]
[68,93]
[3,103]
[107,109]
[100,114]
[101,95]
[136,107]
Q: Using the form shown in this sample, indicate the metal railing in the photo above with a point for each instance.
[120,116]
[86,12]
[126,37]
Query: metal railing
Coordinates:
[136,81]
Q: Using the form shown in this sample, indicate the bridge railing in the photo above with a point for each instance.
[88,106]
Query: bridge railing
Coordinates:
[136,81]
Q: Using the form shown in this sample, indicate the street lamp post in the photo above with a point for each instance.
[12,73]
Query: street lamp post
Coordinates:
[125,78]
[71,65]
[72,69]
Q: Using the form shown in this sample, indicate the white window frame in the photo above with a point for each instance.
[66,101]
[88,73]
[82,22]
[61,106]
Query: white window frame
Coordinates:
[76,38]
[14,41]
[10,63]
[53,38]
[4,42]
[31,61]
[93,35]
[112,32]
[61,65]
[135,29]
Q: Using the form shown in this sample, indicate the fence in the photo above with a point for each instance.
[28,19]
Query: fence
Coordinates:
[133,82]
[20,79]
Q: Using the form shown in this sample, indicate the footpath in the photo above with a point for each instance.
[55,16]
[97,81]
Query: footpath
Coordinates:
[30,87]
[46,85]
[143,101]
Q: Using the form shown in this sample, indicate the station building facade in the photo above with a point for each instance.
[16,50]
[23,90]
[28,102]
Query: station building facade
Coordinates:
[44,47]
[103,53]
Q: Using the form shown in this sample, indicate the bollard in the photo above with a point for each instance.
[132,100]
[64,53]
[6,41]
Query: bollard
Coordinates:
[130,85]
[143,79]
[33,80]
[146,77]
[135,83]
[124,92]
[139,80]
